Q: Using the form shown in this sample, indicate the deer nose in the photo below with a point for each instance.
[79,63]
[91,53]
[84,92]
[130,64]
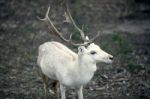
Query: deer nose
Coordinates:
[111,57]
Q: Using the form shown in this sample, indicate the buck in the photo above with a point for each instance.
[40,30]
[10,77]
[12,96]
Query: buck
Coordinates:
[61,64]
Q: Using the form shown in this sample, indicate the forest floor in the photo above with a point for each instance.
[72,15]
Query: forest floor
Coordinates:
[127,39]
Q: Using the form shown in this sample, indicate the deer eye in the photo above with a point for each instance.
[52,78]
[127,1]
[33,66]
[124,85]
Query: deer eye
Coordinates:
[93,52]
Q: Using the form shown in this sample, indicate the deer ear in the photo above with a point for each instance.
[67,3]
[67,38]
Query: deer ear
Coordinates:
[92,44]
[81,49]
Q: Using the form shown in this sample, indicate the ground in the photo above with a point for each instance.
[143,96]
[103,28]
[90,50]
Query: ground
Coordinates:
[125,36]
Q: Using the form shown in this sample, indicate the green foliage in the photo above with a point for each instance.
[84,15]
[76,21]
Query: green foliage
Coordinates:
[125,50]
[76,36]
[124,46]
[116,38]
[132,66]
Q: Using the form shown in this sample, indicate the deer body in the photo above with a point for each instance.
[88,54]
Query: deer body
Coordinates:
[60,63]
[72,70]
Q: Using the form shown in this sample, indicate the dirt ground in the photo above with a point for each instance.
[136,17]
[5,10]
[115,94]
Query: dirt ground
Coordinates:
[126,37]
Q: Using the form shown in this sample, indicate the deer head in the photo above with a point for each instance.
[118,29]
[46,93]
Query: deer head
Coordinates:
[94,54]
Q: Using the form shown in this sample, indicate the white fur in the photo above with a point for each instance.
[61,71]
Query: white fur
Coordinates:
[72,70]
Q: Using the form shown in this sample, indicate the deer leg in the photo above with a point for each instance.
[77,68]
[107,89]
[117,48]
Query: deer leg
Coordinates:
[62,90]
[57,89]
[55,86]
[80,93]
[45,81]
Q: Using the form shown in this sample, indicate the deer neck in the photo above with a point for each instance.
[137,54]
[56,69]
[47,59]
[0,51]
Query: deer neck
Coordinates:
[85,70]
[80,72]
[86,66]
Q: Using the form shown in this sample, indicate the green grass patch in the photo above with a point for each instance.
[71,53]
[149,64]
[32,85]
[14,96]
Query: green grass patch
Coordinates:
[124,47]
[133,66]
[119,45]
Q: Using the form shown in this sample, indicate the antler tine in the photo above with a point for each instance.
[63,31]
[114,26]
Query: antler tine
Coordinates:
[51,27]
[95,37]
[46,15]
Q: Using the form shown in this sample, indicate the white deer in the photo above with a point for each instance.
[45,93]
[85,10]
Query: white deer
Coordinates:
[70,69]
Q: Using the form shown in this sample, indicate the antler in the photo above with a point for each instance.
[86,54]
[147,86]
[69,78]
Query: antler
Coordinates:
[84,38]
[54,30]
